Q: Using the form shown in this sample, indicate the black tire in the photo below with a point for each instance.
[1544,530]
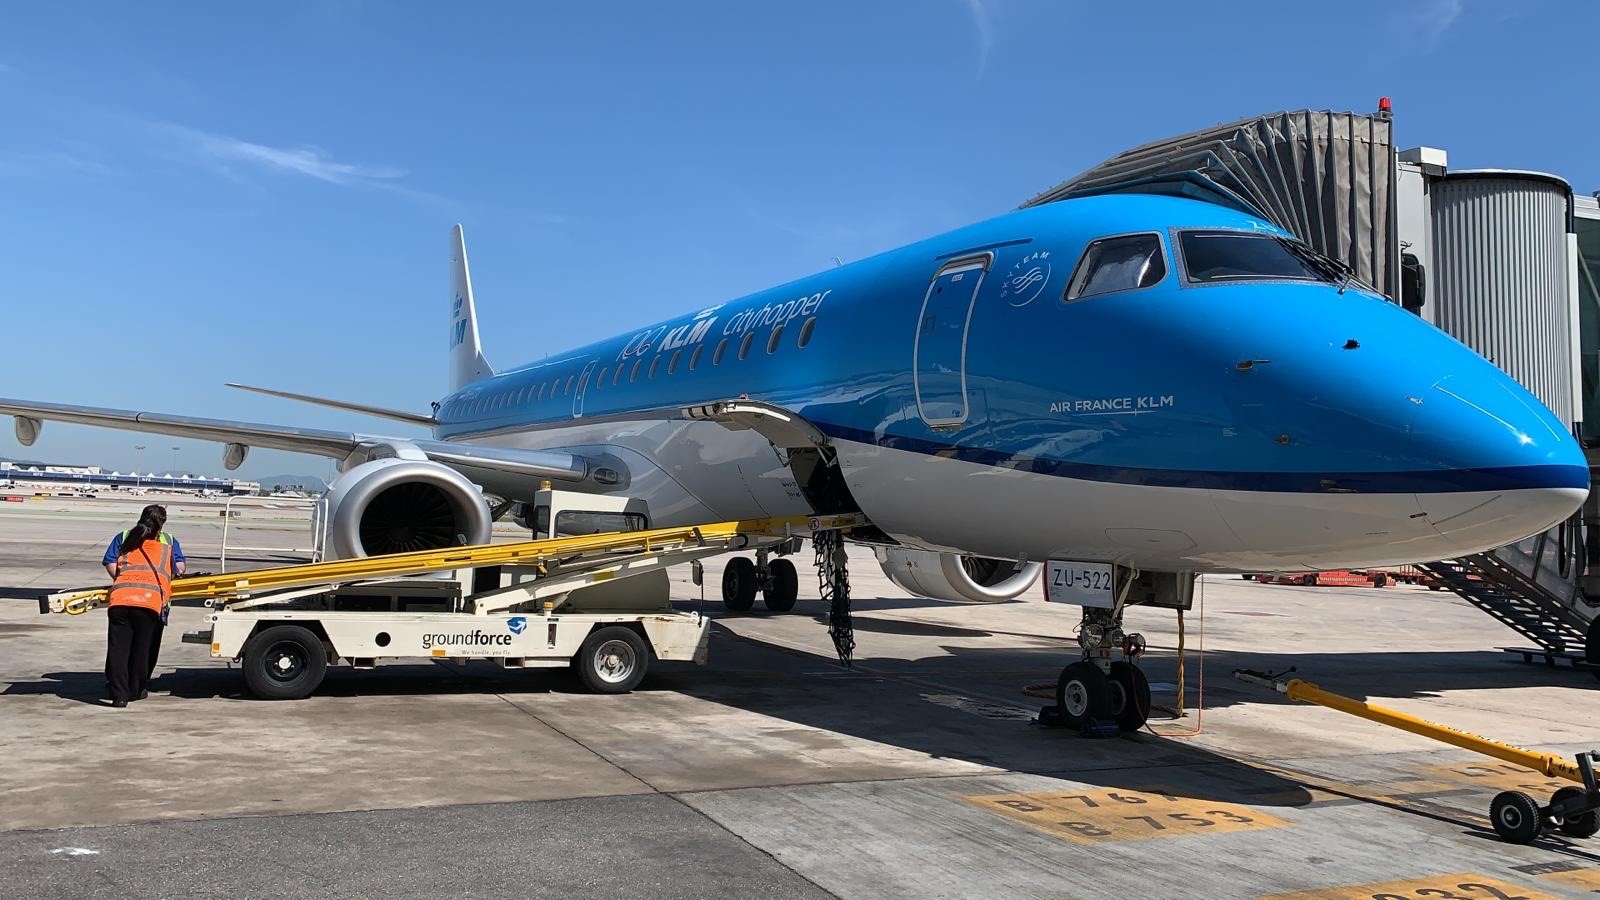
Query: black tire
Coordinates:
[1516,817]
[1591,647]
[1130,695]
[612,660]
[784,590]
[284,662]
[739,584]
[1308,580]
[1583,825]
[1083,695]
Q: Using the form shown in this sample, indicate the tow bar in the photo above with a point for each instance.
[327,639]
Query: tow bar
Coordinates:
[1517,817]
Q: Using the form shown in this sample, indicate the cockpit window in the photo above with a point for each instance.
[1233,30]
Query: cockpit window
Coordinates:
[1233,256]
[1118,264]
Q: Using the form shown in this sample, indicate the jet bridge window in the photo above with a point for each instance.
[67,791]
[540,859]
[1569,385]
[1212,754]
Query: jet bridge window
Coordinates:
[1118,264]
[1212,256]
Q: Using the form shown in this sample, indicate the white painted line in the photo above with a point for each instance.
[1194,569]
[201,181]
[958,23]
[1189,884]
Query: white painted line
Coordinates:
[75,851]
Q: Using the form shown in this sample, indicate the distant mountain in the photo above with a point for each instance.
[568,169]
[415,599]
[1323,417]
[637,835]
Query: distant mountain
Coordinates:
[309,483]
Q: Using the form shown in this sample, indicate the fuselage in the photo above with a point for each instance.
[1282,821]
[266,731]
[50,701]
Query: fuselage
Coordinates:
[988,394]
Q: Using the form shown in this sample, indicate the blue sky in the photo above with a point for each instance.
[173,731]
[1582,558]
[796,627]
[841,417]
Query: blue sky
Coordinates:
[196,193]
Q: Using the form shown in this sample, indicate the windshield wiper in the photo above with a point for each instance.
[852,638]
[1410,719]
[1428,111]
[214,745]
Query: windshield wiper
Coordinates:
[1334,270]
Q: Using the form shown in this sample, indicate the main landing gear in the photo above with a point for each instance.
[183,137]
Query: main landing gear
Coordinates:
[1099,694]
[775,579]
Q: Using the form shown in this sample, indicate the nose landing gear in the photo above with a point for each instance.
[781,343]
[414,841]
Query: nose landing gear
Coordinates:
[1099,695]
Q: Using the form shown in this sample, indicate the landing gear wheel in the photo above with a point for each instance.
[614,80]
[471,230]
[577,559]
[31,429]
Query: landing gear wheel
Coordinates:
[784,588]
[1515,816]
[1130,695]
[739,584]
[1083,695]
[1583,825]
[1591,647]
[612,660]
[284,662]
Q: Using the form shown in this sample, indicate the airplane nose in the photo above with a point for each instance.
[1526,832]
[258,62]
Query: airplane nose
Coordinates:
[1503,466]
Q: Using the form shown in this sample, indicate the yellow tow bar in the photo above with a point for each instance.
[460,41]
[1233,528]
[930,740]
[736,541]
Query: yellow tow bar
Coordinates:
[1516,816]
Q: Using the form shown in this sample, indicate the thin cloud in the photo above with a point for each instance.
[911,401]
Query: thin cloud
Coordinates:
[309,161]
[1437,18]
[983,28]
[40,162]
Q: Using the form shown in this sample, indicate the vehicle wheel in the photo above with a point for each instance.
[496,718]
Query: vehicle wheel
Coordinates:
[1308,580]
[612,660]
[1515,816]
[1435,587]
[739,584]
[1130,695]
[1591,648]
[784,590]
[284,662]
[1380,580]
[1584,824]
[1083,694]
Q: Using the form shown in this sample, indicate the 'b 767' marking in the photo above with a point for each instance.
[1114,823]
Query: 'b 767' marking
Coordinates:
[1091,817]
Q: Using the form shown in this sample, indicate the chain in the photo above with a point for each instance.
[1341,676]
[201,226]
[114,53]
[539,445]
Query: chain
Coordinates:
[833,577]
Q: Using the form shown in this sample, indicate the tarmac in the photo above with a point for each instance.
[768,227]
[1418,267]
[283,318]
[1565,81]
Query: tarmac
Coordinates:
[772,771]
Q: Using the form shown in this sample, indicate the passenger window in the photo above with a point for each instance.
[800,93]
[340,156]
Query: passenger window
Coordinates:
[716,355]
[655,363]
[539,393]
[694,358]
[772,342]
[617,378]
[805,332]
[634,375]
[744,345]
[672,364]
[568,389]
[1118,264]
[602,379]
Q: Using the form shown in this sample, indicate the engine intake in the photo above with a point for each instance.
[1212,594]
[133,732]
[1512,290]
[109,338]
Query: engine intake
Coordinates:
[955,578]
[400,505]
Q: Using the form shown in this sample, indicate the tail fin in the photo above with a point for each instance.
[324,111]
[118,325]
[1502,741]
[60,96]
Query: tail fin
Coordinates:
[466,353]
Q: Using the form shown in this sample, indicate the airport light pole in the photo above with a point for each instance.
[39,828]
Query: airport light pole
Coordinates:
[138,464]
[174,460]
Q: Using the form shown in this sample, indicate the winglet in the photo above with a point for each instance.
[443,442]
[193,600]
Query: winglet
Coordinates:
[466,352]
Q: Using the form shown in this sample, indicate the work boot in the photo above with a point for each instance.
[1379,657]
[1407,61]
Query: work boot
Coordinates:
[119,704]
[144,695]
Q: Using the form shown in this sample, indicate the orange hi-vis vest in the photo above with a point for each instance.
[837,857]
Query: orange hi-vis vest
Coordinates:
[144,577]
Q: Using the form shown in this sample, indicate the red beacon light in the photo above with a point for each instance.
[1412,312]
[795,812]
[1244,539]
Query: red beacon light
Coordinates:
[1385,107]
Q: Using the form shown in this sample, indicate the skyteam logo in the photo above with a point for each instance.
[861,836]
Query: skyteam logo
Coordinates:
[517,624]
[1026,279]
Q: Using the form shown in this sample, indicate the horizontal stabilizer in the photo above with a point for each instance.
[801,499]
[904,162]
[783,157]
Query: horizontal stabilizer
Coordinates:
[379,411]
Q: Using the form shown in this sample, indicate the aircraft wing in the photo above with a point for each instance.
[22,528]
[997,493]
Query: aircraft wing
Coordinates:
[472,460]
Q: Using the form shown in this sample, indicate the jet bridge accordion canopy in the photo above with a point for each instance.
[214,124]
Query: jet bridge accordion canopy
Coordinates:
[1327,177]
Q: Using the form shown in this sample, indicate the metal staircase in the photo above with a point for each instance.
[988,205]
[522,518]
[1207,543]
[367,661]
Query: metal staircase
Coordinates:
[1532,587]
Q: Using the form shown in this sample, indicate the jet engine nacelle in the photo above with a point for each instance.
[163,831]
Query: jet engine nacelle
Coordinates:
[955,578]
[398,505]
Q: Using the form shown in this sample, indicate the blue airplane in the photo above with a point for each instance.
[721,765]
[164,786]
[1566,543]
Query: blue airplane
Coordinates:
[1157,382]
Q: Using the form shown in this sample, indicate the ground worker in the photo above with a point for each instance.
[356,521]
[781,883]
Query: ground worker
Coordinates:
[142,562]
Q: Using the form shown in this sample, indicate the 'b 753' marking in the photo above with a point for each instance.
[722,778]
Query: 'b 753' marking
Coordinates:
[1091,817]
[1460,886]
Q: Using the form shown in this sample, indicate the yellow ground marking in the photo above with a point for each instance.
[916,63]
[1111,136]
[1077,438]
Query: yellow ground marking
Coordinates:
[1460,886]
[1565,873]
[1101,816]
[1499,776]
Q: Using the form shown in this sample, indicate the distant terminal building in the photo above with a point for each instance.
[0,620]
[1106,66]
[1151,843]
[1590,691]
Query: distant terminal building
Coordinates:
[30,474]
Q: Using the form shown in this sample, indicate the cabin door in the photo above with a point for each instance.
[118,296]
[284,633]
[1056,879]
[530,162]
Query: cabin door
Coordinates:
[939,357]
[583,387]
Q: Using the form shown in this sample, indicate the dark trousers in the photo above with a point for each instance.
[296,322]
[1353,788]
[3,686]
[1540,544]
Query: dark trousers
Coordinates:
[130,631]
[155,654]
